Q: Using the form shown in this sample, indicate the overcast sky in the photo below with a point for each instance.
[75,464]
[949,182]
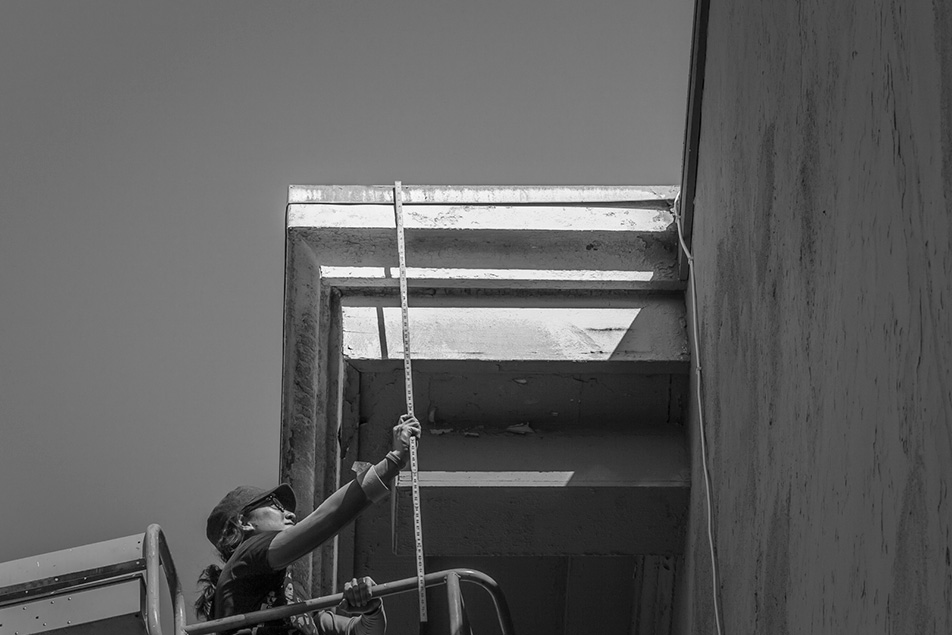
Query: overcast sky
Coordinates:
[146,151]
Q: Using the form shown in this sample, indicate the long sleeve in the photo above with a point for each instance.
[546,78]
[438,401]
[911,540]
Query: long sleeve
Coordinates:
[333,514]
[376,480]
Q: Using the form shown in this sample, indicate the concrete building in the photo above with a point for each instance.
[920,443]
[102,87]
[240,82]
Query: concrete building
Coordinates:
[816,201]
[823,247]
[550,364]
[744,429]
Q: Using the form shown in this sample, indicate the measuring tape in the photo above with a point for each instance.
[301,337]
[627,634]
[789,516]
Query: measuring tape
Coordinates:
[408,379]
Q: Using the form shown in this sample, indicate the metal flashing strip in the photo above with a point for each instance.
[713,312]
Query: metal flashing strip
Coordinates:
[658,196]
[71,582]
[72,560]
[692,125]
[105,609]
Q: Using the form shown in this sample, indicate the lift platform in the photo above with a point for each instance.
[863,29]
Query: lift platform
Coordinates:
[113,588]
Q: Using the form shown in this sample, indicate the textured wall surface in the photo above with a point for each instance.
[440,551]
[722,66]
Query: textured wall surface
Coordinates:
[824,262]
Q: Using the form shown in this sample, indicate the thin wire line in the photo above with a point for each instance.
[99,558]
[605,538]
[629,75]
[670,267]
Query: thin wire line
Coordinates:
[702,431]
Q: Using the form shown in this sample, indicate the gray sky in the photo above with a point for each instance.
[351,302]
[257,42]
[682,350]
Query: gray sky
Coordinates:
[146,150]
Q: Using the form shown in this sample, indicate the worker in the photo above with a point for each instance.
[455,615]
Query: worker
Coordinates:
[256,536]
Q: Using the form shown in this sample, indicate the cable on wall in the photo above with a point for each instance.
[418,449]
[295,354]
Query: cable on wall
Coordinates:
[702,431]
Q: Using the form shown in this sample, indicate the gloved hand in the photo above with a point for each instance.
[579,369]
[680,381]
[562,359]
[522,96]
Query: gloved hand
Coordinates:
[408,427]
[357,599]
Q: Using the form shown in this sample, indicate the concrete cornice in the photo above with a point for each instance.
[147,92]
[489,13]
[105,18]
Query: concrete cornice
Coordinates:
[658,196]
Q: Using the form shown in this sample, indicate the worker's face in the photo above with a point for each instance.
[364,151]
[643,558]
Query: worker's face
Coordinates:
[270,516]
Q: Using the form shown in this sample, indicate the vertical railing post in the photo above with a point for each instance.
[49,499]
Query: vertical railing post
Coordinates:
[455,600]
[157,555]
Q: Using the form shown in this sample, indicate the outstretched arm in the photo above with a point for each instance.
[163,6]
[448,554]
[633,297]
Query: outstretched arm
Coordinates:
[345,504]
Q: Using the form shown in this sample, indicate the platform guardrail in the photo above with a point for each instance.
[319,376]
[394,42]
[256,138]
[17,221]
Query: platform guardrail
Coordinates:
[450,577]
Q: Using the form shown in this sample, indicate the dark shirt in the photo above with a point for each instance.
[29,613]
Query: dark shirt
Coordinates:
[248,583]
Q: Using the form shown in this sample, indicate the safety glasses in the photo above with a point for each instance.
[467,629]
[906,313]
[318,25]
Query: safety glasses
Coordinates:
[270,501]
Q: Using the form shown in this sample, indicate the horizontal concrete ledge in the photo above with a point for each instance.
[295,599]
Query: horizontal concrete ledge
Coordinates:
[525,479]
[552,494]
[476,403]
[470,218]
[654,252]
[360,278]
[484,194]
[545,521]
[613,367]
[552,460]
[654,331]
[460,298]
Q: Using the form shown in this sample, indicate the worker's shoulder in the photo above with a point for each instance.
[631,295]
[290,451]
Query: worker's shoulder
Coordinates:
[250,554]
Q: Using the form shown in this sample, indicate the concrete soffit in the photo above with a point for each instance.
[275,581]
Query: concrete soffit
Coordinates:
[566,270]
[528,238]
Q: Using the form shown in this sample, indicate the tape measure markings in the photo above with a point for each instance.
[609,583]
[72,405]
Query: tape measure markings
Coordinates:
[408,380]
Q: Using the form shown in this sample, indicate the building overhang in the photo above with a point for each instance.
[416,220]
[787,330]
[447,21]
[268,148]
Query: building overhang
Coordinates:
[506,283]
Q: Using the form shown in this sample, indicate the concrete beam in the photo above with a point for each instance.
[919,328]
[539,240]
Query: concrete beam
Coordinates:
[652,254]
[357,279]
[471,217]
[469,398]
[310,397]
[527,521]
[549,495]
[554,459]
[494,234]
[647,330]
[428,366]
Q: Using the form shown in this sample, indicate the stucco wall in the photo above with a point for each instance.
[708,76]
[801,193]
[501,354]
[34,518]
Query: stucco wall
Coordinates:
[824,267]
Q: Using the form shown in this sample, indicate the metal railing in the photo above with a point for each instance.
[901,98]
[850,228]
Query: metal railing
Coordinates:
[450,577]
[158,556]
[459,624]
